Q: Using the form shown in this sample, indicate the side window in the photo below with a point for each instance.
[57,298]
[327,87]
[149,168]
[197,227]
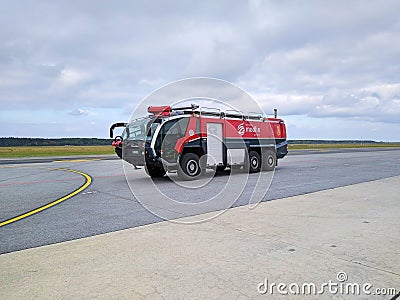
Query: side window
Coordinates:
[178,127]
[167,126]
[169,134]
[151,128]
[163,133]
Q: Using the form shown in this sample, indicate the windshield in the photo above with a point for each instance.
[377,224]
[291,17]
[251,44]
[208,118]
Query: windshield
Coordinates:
[140,130]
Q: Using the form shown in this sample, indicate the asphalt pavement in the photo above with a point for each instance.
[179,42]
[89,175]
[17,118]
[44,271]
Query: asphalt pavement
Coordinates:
[109,204]
[340,243]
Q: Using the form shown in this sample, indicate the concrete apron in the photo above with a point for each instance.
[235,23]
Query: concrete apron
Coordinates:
[243,253]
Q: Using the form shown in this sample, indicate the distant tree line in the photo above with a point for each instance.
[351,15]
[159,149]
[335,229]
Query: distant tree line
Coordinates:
[332,142]
[15,142]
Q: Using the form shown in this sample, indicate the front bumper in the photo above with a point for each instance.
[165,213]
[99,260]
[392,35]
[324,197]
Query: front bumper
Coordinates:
[281,149]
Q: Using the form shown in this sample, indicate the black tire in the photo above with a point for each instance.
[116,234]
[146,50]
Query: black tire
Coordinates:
[189,167]
[269,160]
[155,172]
[118,151]
[220,168]
[254,163]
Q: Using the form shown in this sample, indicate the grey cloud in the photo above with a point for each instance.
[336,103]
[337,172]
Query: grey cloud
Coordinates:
[376,103]
[109,54]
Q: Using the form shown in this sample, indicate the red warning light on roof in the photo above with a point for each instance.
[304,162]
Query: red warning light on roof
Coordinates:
[160,110]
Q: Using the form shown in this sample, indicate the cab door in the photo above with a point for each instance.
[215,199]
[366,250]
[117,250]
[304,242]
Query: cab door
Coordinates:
[215,144]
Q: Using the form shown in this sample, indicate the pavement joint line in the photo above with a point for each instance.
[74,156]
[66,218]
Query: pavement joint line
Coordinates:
[75,160]
[55,202]
[372,267]
[395,296]
[353,260]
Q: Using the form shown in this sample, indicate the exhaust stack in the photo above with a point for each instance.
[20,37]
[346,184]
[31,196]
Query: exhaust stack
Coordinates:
[275,113]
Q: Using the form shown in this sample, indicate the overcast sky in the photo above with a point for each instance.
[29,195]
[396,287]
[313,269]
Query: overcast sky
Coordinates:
[71,68]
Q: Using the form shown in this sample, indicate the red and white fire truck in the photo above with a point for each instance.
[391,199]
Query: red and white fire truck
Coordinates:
[188,140]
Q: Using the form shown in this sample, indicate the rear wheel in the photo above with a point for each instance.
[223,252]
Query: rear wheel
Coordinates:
[269,160]
[189,167]
[254,162]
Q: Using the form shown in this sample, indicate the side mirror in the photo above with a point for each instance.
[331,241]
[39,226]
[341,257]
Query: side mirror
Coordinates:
[120,124]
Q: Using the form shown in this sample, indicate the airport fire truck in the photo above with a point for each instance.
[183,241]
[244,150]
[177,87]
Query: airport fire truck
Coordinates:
[188,140]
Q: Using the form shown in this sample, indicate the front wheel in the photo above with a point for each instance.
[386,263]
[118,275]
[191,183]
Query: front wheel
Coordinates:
[154,171]
[269,160]
[118,151]
[189,167]
[220,168]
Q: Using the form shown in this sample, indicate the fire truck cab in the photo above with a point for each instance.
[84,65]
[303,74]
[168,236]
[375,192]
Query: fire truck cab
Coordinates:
[188,140]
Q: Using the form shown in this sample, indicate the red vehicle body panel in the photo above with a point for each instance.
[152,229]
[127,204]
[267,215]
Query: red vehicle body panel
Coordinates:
[271,128]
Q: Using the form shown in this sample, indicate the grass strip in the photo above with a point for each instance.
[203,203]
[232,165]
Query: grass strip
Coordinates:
[338,146]
[40,151]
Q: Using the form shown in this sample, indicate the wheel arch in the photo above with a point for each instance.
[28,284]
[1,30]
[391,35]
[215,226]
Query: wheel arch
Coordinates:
[198,150]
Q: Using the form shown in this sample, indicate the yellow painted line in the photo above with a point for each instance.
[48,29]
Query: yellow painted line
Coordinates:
[55,202]
[76,160]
